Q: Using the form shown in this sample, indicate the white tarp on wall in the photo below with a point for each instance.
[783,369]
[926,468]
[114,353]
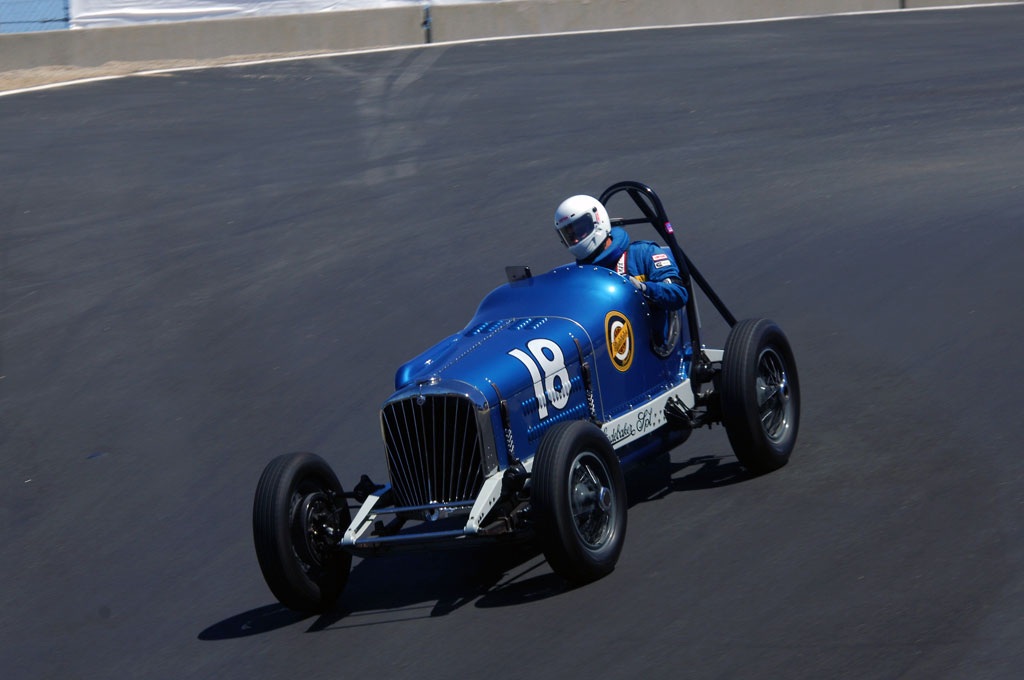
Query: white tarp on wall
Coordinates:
[96,13]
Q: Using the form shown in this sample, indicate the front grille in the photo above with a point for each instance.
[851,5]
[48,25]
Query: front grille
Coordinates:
[434,449]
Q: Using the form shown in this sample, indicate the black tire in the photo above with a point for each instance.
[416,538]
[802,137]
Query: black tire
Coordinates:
[578,495]
[760,395]
[297,499]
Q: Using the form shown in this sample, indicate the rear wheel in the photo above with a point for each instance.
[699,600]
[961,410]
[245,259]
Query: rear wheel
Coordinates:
[760,395]
[578,494]
[297,519]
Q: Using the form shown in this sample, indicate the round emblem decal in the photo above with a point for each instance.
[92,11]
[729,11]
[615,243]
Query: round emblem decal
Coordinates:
[619,336]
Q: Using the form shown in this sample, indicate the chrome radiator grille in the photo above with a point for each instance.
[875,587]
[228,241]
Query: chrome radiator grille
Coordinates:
[434,449]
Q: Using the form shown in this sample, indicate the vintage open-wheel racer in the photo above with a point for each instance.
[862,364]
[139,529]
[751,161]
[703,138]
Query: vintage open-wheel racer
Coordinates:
[519,424]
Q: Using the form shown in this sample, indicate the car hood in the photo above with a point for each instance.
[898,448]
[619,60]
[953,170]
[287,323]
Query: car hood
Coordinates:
[566,306]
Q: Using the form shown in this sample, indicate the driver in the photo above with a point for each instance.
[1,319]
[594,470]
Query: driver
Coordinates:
[585,229]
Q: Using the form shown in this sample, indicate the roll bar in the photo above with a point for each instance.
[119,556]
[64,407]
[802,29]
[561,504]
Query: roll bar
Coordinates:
[654,214]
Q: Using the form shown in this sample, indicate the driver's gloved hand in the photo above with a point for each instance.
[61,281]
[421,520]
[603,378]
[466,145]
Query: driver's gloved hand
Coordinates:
[638,284]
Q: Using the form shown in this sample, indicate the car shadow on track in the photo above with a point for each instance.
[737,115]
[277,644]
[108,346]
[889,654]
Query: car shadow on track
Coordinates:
[657,478]
[393,588]
[406,586]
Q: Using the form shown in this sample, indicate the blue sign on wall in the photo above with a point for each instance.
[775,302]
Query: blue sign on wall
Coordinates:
[22,16]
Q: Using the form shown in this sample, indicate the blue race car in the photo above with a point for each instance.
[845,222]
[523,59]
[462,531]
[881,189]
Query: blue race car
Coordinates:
[519,425]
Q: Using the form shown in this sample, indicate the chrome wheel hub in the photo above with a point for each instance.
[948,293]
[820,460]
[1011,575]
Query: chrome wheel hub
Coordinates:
[774,397]
[591,500]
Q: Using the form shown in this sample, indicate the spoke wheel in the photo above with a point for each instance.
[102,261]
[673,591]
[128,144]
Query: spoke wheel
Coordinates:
[760,395]
[775,404]
[591,500]
[579,500]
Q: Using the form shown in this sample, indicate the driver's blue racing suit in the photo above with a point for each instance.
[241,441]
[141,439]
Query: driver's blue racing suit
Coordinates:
[649,263]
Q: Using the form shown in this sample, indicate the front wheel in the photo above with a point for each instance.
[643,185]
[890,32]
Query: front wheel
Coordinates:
[578,494]
[760,395]
[298,515]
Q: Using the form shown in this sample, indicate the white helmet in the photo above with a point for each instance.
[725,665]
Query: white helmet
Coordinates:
[583,225]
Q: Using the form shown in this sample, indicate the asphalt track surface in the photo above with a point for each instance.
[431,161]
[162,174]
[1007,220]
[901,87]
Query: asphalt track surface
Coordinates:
[205,269]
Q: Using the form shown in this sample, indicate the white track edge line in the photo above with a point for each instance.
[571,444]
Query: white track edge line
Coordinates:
[396,48]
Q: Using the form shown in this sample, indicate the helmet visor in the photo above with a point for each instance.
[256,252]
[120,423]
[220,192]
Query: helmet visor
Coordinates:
[577,230]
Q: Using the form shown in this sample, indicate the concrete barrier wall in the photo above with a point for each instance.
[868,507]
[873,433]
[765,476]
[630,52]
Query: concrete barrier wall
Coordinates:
[391,27]
[333,31]
[527,17]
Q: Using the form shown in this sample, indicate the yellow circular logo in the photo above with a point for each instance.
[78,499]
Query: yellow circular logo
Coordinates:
[618,333]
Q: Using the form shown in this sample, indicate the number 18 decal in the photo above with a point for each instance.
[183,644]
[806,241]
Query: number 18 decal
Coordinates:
[554,385]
